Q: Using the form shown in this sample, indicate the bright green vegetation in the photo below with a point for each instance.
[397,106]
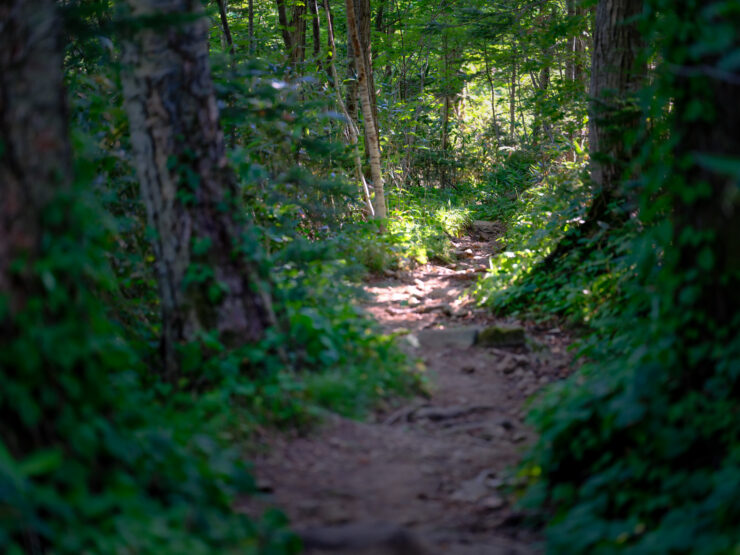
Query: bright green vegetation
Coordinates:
[481,111]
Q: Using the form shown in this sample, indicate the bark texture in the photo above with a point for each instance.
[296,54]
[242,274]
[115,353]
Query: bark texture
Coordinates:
[293,29]
[615,78]
[205,280]
[225,25]
[35,155]
[316,29]
[364,56]
[617,73]
[352,132]
[714,217]
[371,131]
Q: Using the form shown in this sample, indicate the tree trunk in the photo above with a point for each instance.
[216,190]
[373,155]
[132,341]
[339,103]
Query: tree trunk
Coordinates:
[316,28]
[361,9]
[294,30]
[706,225]
[579,50]
[512,99]
[225,25]
[352,131]
[35,154]
[206,281]
[616,75]
[250,25]
[489,77]
[371,131]
[570,60]
[615,78]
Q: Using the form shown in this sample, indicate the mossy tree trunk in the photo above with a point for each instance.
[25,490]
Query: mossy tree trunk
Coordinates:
[705,190]
[206,279]
[618,71]
[35,154]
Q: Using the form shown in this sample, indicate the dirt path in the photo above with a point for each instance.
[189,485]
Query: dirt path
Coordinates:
[428,477]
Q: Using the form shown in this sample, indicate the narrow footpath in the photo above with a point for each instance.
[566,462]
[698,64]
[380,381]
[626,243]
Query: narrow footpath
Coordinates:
[429,476]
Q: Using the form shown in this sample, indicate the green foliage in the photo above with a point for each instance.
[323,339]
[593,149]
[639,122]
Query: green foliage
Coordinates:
[639,449]
[578,288]
[421,223]
[89,460]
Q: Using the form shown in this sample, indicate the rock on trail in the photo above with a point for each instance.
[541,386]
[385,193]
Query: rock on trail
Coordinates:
[430,476]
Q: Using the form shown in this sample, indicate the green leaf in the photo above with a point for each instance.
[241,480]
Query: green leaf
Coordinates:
[41,462]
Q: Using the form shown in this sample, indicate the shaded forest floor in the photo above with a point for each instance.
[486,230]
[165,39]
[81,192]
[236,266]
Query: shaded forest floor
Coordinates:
[432,475]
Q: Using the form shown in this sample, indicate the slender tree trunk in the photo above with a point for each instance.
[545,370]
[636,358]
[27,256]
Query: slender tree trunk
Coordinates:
[363,16]
[250,25]
[361,9]
[570,61]
[579,50]
[316,28]
[206,281]
[512,98]
[352,131]
[371,131]
[35,154]
[225,25]
[352,99]
[489,77]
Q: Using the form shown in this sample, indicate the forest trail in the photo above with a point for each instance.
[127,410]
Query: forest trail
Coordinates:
[429,476]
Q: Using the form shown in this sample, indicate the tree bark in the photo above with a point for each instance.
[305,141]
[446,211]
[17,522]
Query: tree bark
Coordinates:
[35,154]
[316,28]
[512,99]
[570,60]
[294,30]
[225,25]
[706,225]
[205,279]
[352,131]
[371,131]
[617,73]
[489,77]
[615,78]
[250,25]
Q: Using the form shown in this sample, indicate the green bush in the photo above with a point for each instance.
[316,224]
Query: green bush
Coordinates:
[90,461]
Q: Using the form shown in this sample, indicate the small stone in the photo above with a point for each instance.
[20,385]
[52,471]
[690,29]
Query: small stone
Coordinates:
[309,506]
[264,486]
[413,340]
[506,424]
[494,483]
[509,365]
[492,502]
[413,301]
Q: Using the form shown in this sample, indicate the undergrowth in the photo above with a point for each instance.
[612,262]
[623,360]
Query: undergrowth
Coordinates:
[555,201]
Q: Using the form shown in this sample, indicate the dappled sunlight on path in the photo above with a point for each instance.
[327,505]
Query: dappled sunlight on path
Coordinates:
[430,475]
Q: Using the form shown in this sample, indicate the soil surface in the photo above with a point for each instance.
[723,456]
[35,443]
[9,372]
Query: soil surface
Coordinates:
[429,476]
